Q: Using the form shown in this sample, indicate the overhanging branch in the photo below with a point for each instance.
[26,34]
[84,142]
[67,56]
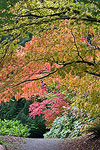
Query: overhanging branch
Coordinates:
[51,20]
[93,73]
[65,64]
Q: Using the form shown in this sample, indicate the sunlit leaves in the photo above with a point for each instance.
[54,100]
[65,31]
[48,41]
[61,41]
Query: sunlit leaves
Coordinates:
[60,50]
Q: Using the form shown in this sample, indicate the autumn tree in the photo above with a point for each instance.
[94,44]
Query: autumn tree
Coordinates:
[18,16]
[63,55]
[66,44]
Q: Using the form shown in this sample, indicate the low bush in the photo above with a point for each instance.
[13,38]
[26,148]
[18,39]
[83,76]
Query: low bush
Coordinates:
[68,125]
[63,127]
[19,110]
[13,128]
[49,109]
[94,127]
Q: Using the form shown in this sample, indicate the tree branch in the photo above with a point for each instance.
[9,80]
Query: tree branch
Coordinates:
[8,42]
[76,45]
[77,62]
[35,79]
[51,20]
[29,13]
[93,73]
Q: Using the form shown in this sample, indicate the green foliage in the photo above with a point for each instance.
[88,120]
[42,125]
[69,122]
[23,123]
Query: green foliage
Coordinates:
[19,110]
[3,142]
[21,42]
[94,128]
[5,14]
[35,16]
[68,125]
[63,127]
[14,128]
[25,39]
[13,108]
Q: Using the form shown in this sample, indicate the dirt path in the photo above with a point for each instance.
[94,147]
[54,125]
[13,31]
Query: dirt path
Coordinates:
[82,143]
[43,144]
[87,142]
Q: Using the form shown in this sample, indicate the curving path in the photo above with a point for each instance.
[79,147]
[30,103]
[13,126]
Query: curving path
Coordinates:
[43,144]
[86,142]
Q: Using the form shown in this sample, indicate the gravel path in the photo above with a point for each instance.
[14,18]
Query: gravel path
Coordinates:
[87,142]
[43,144]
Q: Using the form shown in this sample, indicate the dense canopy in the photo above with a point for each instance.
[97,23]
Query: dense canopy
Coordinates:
[35,16]
[64,45]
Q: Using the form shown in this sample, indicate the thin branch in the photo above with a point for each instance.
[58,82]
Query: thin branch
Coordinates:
[51,20]
[77,62]
[8,42]
[52,8]
[64,65]
[93,73]
[29,13]
[35,79]
[17,70]
[76,45]
[52,15]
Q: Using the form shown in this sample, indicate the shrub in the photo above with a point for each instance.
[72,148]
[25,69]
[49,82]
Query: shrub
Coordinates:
[94,127]
[14,128]
[19,110]
[63,127]
[49,108]
[68,125]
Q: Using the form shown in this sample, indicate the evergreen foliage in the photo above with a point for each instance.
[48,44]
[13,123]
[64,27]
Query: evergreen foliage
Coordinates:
[19,110]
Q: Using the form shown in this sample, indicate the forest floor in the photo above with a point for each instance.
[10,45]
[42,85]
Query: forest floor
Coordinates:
[88,142]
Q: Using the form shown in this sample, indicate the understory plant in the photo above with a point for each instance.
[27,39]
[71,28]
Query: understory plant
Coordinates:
[19,110]
[52,106]
[68,125]
[49,109]
[94,127]
[13,128]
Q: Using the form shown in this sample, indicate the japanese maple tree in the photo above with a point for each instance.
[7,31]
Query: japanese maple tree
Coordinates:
[65,55]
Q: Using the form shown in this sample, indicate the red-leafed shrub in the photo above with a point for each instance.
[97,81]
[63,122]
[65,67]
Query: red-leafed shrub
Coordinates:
[49,108]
